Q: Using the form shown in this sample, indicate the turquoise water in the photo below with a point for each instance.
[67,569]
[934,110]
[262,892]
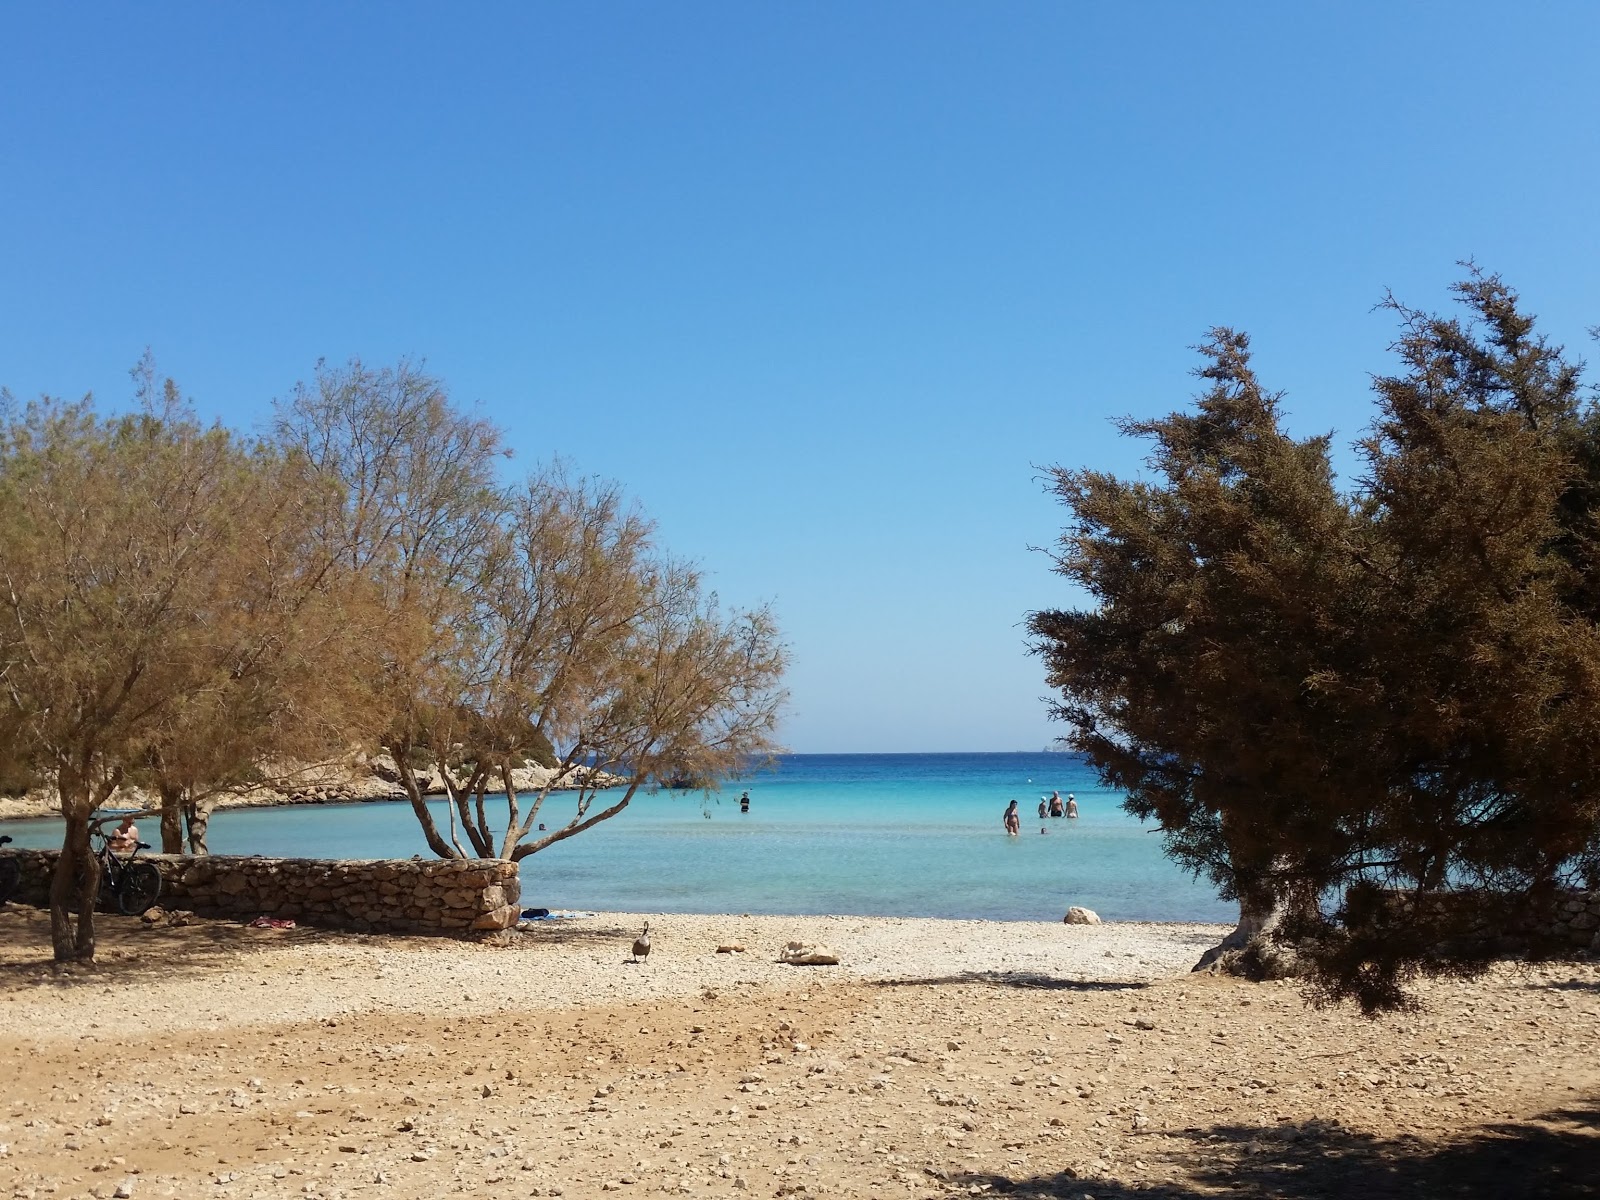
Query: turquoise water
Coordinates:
[869,834]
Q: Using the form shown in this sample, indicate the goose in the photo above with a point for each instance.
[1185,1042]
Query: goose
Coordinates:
[641,945]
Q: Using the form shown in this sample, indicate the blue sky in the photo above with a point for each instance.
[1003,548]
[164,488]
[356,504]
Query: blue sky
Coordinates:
[822,283]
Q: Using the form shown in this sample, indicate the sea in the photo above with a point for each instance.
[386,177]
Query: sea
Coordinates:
[913,835]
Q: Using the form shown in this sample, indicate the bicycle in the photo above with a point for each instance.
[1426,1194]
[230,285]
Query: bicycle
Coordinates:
[133,886]
[10,873]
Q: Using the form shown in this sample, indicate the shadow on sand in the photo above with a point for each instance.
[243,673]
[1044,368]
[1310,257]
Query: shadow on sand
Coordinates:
[1554,1155]
[572,933]
[128,950]
[1019,979]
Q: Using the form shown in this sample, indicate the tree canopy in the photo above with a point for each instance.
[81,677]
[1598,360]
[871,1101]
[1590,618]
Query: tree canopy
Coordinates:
[183,607]
[160,614]
[1374,711]
[538,623]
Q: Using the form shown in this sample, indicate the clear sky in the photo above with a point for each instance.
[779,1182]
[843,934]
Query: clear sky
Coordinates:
[823,283]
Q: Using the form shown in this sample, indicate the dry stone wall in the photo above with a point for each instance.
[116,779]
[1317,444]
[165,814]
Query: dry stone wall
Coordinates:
[1570,923]
[454,896]
[1574,921]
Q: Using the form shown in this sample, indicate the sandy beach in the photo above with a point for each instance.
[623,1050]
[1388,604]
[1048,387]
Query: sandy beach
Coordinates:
[938,1058]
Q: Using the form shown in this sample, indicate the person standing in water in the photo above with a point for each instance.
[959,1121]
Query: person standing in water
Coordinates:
[1013,820]
[744,802]
[1055,804]
[1072,805]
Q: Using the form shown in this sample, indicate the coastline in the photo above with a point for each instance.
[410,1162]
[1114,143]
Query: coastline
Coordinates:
[319,784]
[35,808]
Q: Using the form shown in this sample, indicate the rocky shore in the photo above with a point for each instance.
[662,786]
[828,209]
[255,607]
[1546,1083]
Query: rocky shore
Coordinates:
[368,780]
[938,1058]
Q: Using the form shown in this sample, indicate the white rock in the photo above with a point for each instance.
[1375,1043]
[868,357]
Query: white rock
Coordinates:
[808,954]
[1081,916]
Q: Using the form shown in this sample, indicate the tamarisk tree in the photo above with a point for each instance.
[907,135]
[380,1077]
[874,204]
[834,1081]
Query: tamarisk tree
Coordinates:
[1373,718]
[152,582]
[534,641]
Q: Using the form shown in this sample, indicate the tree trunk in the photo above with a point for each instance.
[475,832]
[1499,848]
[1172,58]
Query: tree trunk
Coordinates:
[77,872]
[197,815]
[172,814]
[1252,949]
[459,796]
[419,803]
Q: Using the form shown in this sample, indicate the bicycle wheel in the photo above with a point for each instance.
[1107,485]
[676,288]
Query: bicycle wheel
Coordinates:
[10,877]
[109,876]
[141,884]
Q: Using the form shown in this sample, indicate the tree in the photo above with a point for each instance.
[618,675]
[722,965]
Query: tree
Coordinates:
[1328,700]
[524,624]
[618,656]
[417,508]
[1185,686]
[299,698]
[153,587]
[298,691]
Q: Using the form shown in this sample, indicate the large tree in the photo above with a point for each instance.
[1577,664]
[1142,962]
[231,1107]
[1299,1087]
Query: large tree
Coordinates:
[155,586]
[1373,711]
[524,626]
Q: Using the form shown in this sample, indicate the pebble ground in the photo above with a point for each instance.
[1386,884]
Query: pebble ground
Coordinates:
[939,1059]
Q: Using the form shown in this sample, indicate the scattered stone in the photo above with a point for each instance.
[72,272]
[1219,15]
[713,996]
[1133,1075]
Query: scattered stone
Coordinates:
[730,948]
[808,954]
[1081,916]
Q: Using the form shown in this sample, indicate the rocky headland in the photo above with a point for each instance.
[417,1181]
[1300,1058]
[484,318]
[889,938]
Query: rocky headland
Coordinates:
[359,779]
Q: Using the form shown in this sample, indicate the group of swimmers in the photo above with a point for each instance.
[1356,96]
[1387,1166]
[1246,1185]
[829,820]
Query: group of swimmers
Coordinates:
[1049,806]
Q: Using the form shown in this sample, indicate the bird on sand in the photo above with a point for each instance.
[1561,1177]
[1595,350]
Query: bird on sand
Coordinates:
[641,945]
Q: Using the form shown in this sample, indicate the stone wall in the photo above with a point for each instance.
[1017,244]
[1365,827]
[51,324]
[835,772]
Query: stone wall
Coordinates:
[1570,923]
[1576,921]
[454,896]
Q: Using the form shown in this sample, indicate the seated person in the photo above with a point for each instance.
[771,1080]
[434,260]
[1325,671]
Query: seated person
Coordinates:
[124,839]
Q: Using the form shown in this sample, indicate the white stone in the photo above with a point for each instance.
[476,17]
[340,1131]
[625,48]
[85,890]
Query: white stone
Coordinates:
[1081,916]
[808,954]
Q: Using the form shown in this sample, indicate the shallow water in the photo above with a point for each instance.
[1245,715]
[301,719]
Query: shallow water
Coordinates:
[869,834]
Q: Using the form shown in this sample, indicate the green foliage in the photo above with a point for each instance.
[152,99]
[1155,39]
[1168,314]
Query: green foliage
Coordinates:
[1323,698]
